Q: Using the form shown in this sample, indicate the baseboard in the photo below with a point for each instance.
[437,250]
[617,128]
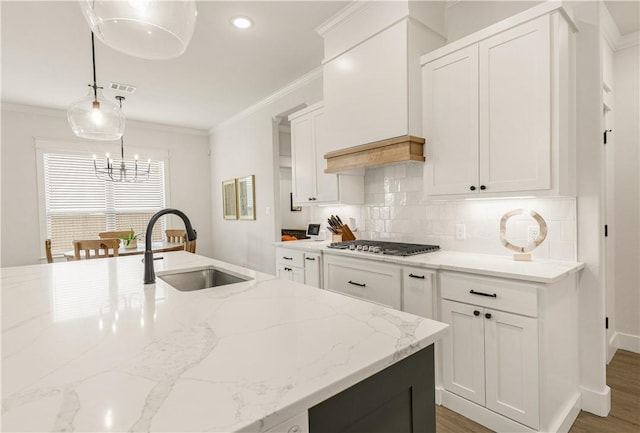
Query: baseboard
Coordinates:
[596,402]
[612,347]
[628,342]
[567,417]
[481,415]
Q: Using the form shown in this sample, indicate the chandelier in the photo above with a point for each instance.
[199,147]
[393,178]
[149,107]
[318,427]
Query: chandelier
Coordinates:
[119,172]
[150,29]
[94,117]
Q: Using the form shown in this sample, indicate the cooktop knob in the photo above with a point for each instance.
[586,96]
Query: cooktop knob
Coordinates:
[352,247]
[365,248]
[359,248]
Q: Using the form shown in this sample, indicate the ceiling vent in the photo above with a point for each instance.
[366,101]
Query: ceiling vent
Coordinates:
[118,87]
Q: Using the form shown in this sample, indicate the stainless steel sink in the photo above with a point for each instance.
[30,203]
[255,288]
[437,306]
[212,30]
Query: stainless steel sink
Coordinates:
[199,279]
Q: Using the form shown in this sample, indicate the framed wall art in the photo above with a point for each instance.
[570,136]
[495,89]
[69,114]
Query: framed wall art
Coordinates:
[229,201]
[246,198]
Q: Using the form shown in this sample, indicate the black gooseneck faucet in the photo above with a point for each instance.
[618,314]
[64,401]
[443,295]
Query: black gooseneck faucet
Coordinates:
[149,272]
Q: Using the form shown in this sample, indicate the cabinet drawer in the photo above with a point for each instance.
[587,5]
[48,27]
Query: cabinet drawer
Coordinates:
[495,293]
[371,281]
[290,257]
[417,290]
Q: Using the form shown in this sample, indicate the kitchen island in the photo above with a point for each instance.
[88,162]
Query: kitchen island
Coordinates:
[87,347]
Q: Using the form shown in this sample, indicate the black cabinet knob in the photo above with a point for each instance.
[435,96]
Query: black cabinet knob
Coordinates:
[476,313]
[488,315]
[472,188]
[482,187]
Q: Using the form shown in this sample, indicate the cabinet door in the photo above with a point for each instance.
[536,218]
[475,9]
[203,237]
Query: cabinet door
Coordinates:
[515,108]
[326,183]
[451,122]
[290,273]
[463,351]
[302,158]
[312,267]
[417,290]
[511,359]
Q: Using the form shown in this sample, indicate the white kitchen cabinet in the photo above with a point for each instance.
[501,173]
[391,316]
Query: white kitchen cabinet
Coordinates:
[301,267]
[417,291]
[365,279]
[509,359]
[313,269]
[496,111]
[311,185]
[490,357]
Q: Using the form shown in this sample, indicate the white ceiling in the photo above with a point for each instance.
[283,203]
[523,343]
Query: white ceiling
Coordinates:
[626,14]
[46,59]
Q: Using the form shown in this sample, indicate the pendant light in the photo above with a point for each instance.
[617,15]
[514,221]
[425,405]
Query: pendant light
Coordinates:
[119,172]
[93,116]
[150,29]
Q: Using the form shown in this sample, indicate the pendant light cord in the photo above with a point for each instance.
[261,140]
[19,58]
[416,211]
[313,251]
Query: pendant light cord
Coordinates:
[120,98]
[95,83]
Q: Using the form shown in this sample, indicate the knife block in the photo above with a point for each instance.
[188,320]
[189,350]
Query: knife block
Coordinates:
[346,233]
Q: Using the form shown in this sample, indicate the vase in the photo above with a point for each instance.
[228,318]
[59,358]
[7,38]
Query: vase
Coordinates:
[132,244]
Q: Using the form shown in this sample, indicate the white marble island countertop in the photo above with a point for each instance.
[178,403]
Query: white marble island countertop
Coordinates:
[87,347]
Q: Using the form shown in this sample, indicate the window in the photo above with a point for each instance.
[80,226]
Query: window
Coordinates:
[75,204]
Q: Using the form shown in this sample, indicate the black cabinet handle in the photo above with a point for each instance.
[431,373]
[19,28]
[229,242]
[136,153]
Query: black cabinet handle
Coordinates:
[482,187]
[287,258]
[417,276]
[491,295]
[476,313]
[287,269]
[488,315]
[357,284]
[310,258]
[472,188]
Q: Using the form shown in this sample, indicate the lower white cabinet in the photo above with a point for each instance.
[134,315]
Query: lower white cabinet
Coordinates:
[299,266]
[365,279]
[417,291]
[491,358]
[313,269]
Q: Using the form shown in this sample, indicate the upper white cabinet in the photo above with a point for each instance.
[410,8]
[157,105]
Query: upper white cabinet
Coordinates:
[497,110]
[311,184]
[371,72]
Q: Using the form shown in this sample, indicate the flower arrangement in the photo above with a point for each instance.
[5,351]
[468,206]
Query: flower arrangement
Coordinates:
[131,240]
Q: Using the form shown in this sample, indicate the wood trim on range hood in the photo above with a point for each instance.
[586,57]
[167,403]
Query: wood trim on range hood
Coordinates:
[392,150]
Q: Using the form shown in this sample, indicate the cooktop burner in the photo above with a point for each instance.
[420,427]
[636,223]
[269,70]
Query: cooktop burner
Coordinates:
[389,248]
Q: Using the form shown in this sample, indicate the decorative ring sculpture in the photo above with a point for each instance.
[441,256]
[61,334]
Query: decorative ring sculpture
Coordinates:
[530,246]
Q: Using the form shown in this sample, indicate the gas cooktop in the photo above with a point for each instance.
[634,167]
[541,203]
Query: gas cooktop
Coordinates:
[389,248]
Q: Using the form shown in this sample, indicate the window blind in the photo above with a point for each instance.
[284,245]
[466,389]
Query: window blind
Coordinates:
[78,205]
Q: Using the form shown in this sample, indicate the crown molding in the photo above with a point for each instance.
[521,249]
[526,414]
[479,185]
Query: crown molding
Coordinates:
[292,86]
[61,114]
[342,15]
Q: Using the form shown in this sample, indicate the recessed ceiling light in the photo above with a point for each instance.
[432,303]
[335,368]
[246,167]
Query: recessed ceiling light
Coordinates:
[242,22]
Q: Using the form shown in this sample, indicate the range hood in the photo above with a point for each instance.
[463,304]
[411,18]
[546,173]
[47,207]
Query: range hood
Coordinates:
[390,151]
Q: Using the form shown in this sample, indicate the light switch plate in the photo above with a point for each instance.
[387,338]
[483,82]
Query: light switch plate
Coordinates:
[460,232]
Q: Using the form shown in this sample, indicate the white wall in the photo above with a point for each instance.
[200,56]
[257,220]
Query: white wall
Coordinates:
[188,181]
[242,146]
[627,216]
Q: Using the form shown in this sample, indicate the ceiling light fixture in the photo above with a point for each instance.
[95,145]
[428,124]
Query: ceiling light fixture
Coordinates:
[121,173]
[242,22]
[149,29]
[93,116]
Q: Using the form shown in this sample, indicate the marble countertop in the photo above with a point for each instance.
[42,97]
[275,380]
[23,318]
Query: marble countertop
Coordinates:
[87,347]
[537,270]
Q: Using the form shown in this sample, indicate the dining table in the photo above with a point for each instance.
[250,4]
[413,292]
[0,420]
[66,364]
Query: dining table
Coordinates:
[156,247]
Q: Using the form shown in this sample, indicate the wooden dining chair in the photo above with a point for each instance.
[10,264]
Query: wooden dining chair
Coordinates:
[99,247]
[114,235]
[175,235]
[190,246]
[47,250]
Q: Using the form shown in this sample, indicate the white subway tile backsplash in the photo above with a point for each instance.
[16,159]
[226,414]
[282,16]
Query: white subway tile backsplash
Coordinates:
[395,209]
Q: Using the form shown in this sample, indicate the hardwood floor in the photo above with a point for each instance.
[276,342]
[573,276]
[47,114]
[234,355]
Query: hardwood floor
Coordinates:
[623,376]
